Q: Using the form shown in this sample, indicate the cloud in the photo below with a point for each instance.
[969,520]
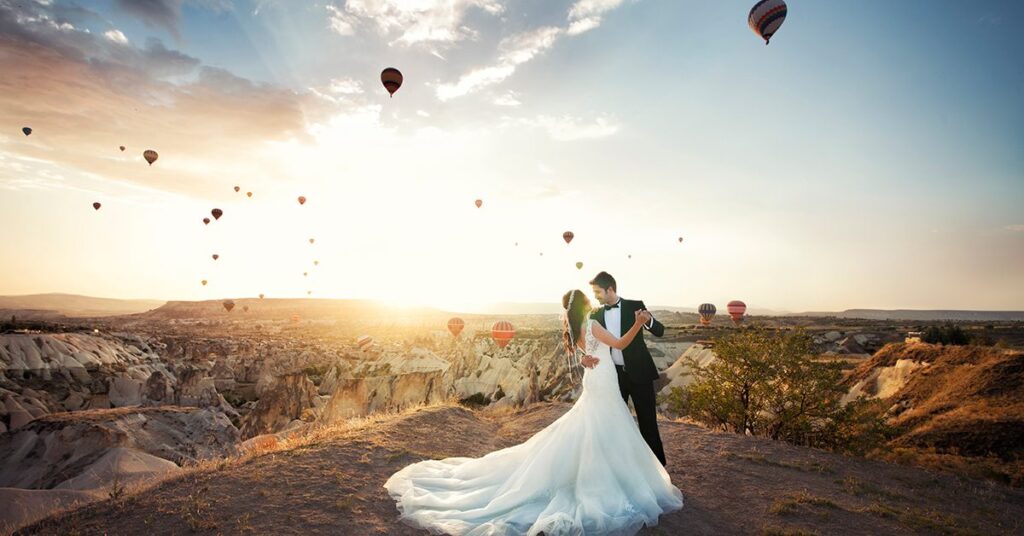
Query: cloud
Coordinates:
[515,51]
[507,99]
[116,36]
[342,23]
[346,86]
[1017,228]
[165,13]
[422,21]
[568,128]
[586,15]
[583,16]
[84,94]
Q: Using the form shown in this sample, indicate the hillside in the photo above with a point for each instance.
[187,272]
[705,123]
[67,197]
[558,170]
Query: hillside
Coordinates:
[73,305]
[732,485]
[958,407]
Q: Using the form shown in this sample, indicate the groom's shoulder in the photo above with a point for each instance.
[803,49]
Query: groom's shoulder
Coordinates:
[594,313]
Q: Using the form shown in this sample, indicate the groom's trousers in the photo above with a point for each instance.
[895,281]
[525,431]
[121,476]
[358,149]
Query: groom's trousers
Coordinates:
[642,394]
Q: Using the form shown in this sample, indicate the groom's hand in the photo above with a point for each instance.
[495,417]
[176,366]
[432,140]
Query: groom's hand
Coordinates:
[589,361]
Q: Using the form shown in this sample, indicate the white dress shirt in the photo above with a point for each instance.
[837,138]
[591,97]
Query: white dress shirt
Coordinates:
[613,323]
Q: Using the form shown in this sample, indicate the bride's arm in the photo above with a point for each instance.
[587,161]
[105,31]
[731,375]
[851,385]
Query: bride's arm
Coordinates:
[606,337]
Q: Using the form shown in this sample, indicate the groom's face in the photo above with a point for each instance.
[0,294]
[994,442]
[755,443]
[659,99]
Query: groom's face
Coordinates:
[599,293]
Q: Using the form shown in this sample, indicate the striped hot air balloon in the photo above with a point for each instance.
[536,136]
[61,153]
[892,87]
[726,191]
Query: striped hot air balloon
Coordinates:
[455,325]
[736,310]
[707,312]
[765,18]
[364,342]
[502,332]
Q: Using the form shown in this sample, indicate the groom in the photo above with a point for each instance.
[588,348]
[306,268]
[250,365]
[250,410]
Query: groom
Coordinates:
[634,364]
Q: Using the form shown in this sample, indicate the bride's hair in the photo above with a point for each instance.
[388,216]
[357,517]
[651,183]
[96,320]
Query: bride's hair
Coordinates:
[576,307]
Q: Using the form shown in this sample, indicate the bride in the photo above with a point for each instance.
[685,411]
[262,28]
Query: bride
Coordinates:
[589,472]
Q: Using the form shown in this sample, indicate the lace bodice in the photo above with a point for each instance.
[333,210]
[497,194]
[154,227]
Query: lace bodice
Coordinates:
[590,341]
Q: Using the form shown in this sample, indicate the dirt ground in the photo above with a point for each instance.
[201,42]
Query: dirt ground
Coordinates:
[731,485]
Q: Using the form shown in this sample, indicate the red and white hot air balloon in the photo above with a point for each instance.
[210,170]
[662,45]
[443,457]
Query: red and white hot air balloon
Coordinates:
[96,206]
[150,155]
[502,332]
[302,200]
[478,203]
[455,326]
[736,309]
[567,236]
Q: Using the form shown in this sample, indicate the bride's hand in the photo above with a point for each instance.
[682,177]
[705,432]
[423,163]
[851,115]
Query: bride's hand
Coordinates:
[589,361]
[643,317]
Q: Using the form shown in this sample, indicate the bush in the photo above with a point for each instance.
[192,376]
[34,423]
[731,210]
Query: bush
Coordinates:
[768,385]
[947,334]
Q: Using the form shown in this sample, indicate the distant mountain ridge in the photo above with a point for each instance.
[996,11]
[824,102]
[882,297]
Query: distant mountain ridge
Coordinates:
[923,314]
[73,305]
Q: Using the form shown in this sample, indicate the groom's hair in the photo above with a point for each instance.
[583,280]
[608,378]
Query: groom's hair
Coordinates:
[605,281]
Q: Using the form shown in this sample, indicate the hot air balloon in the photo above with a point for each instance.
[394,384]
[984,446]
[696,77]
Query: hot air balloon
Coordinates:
[248,194]
[229,305]
[96,206]
[680,240]
[206,221]
[122,148]
[305,274]
[302,200]
[707,312]
[237,188]
[736,309]
[215,256]
[309,292]
[392,80]
[217,213]
[245,308]
[629,256]
[261,295]
[455,326]
[579,265]
[364,342]
[316,263]
[204,282]
[26,130]
[311,240]
[567,236]
[765,18]
[150,156]
[478,203]
[502,332]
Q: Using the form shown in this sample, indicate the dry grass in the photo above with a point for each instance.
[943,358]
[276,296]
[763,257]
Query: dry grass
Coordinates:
[921,520]
[794,502]
[812,467]
[772,530]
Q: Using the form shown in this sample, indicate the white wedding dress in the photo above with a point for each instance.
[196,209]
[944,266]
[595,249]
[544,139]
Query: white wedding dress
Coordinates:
[588,473]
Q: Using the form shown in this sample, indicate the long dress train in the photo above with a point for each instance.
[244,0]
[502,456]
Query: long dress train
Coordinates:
[588,473]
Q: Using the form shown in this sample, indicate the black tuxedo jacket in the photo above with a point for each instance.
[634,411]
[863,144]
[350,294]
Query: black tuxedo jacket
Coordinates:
[639,364]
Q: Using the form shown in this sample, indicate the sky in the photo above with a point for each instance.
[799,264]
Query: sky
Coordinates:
[872,156]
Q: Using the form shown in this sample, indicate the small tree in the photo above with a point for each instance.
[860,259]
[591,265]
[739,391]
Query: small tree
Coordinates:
[770,385]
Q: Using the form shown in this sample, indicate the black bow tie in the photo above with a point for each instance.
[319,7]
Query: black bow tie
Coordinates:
[609,307]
